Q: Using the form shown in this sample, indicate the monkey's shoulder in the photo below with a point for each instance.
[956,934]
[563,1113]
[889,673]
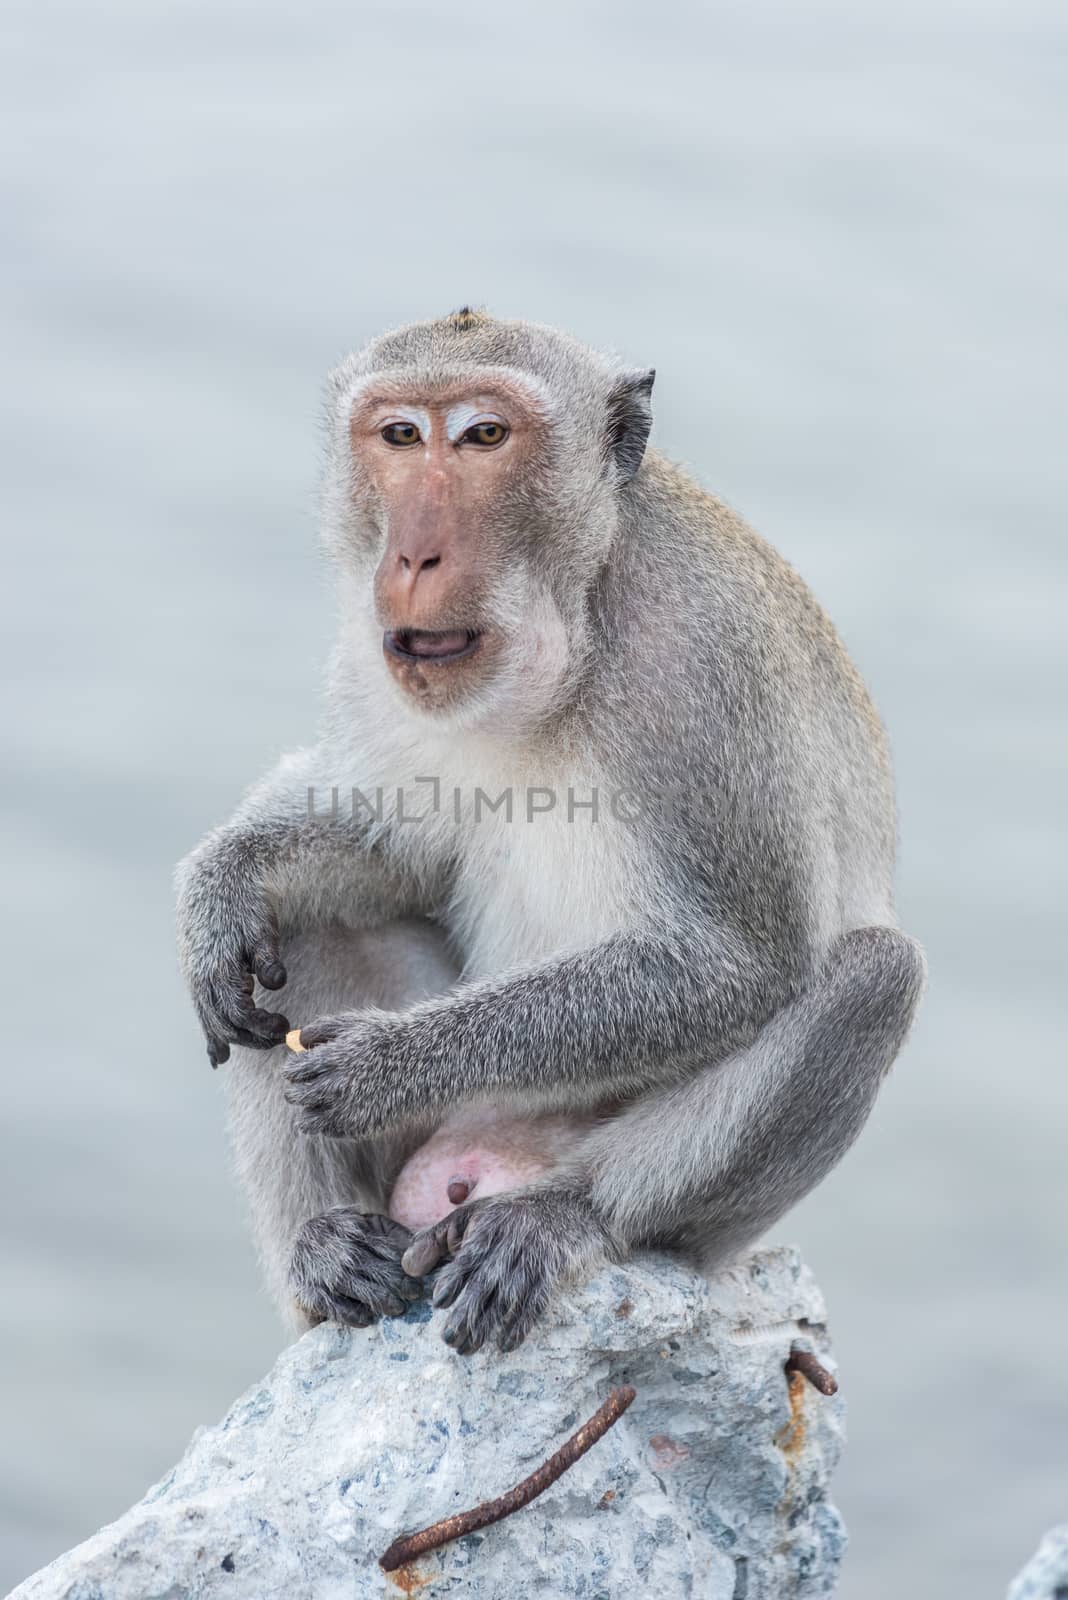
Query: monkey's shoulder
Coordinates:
[721,608]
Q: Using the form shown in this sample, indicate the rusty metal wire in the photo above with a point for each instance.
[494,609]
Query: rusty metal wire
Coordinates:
[410,1545]
[805,1362]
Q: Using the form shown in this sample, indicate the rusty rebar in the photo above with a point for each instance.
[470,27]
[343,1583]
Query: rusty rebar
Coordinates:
[805,1362]
[410,1545]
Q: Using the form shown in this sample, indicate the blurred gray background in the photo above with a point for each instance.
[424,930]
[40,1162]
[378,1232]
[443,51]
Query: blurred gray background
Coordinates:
[839,234]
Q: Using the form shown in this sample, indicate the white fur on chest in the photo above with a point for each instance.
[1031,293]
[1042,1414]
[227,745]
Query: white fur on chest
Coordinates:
[536,873]
[529,888]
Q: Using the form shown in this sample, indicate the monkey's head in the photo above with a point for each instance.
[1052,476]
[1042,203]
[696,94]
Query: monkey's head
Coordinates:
[477,470]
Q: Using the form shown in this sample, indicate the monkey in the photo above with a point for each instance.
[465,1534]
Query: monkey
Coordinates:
[582,897]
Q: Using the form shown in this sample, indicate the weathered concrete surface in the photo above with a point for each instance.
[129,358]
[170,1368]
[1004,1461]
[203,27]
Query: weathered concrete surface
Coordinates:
[712,1486]
[1045,1576]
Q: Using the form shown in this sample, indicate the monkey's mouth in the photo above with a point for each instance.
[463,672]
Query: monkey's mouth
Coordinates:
[421,644]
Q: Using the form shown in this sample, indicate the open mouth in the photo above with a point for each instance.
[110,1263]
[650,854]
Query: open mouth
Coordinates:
[420,644]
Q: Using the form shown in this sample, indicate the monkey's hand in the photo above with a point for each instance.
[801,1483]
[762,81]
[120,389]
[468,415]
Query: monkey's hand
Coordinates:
[228,940]
[504,1259]
[346,1267]
[352,1079]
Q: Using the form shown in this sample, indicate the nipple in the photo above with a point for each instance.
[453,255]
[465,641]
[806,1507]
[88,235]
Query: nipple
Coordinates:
[459,1188]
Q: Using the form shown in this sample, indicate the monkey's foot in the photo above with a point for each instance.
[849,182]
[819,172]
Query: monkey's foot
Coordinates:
[346,1267]
[504,1258]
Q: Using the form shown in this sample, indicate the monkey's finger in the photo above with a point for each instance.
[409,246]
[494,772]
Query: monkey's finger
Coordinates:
[322,1118]
[266,1027]
[312,1111]
[251,1041]
[315,1033]
[270,973]
[300,1072]
[219,1048]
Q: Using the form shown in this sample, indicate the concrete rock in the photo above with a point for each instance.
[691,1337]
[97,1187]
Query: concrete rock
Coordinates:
[712,1486]
[1045,1576]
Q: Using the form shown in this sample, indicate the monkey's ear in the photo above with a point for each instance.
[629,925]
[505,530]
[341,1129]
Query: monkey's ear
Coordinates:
[630,416]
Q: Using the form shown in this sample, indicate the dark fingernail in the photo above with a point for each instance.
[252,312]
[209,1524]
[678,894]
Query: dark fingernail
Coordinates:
[272,975]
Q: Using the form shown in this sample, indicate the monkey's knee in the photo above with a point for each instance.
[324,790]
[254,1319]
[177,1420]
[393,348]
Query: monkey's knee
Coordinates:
[872,983]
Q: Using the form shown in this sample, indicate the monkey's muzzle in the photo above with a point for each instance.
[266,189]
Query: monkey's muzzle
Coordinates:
[421,644]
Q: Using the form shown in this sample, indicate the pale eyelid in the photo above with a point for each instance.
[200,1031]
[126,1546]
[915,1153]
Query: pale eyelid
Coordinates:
[406,414]
[461,418]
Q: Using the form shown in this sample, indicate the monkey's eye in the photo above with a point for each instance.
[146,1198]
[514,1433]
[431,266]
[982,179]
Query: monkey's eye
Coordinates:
[486,434]
[401,434]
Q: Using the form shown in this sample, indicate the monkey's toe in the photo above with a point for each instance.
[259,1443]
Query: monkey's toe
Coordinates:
[347,1268]
[438,1242]
[494,1290]
[491,1307]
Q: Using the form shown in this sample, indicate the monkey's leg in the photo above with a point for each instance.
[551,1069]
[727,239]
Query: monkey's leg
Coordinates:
[710,1164]
[318,1205]
[705,1165]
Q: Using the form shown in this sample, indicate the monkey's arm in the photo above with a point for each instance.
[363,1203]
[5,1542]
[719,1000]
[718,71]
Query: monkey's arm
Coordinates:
[706,1164]
[611,1021]
[279,861]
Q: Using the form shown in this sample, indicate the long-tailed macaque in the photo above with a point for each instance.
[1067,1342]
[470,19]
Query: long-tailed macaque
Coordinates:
[582,898]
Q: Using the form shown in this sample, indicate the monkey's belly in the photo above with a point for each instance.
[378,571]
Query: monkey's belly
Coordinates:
[476,1153]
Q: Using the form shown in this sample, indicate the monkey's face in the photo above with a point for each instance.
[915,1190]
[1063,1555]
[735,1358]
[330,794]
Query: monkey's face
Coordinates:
[473,504]
[452,479]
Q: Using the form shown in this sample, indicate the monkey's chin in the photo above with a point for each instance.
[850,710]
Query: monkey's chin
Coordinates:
[441,672]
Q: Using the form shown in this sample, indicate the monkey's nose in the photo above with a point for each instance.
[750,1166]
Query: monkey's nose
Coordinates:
[413,573]
[418,564]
